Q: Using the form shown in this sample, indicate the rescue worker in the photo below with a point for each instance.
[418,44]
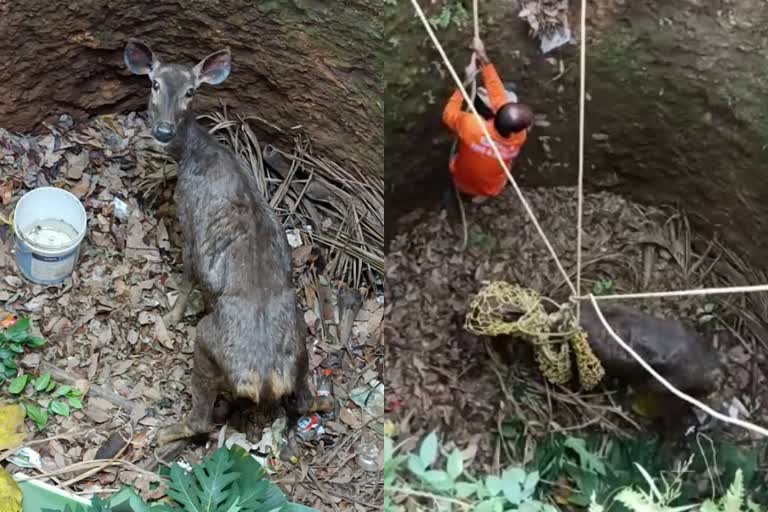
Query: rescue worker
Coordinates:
[474,168]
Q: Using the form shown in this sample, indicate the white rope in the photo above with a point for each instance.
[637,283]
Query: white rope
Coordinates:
[496,152]
[580,187]
[734,421]
[681,293]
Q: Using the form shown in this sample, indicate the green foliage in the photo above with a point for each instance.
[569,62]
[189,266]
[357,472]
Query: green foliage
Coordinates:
[433,474]
[15,341]
[483,241]
[226,481]
[451,12]
[597,473]
[603,287]
[656,500]
[97,505]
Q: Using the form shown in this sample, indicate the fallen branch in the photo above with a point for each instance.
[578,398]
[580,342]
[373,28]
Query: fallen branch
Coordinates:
[94,390]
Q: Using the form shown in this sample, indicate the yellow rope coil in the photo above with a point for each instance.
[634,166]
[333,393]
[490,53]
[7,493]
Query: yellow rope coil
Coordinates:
[502,308]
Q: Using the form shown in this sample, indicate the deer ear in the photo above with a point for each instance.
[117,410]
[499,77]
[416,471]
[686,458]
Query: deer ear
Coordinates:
[214,69]
[139,58]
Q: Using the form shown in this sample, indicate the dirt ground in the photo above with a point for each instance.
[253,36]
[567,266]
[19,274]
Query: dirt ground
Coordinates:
[105,333]
[440,377]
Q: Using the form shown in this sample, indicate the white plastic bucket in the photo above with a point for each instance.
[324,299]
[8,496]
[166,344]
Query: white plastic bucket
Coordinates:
[49,223]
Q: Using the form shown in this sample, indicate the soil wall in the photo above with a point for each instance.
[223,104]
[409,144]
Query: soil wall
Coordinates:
[303,63]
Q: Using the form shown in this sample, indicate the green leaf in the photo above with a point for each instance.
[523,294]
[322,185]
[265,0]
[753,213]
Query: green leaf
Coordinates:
[489,505]
[62,391]
[35,342]
[438,479]
[465,489]
[60,408]
[75,402]
[416,465]
[37,414]
[389,449]
[254,490]
[493,485]
[205,489]
[529,506]
[18,384]
[588,460]
[512,485]
[16,348]
[531,481]
[455,464]
[42,382]
[18,331]
[428,450]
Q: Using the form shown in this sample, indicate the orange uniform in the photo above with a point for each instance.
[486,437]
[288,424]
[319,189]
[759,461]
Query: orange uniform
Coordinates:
[474,168]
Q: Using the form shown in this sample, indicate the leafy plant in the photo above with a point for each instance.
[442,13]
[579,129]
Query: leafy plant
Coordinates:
[603,287]
[706,314]
[13,342]
[452,12]
[480,240]
[44,384]
[445,481]
[656,500]
[97,505]
[229,480]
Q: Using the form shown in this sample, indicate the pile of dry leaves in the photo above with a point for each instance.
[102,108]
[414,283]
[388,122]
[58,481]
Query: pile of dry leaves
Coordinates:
[105,330]
[441,377]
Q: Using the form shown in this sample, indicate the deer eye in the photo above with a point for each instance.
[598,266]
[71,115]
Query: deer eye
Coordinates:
[190,92]
[155,85]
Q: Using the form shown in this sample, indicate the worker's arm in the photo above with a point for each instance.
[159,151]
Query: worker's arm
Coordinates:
[497,96]
[452,112]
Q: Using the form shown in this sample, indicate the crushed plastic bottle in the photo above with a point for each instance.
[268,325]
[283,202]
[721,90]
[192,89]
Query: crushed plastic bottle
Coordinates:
[368,454]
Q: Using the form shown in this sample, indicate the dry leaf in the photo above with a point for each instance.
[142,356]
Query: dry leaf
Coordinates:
[76,164]
[350,418]
[10,494]
[121,367]
[12,432]
[161,334]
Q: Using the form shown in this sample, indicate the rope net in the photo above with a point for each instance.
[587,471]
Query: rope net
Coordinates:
[502,308]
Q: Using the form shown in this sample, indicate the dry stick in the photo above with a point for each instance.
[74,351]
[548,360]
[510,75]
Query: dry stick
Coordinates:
[98,469]
[734,421]
[494,146]
[93,390]
[321,487]
[90,464]
[10,452]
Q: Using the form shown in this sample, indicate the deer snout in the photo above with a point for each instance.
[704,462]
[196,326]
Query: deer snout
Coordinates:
[163,132]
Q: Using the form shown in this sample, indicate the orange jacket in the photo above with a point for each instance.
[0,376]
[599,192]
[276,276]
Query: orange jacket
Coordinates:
[475,170]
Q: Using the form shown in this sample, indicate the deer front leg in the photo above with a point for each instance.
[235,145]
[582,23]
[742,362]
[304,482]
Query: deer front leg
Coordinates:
[204,388]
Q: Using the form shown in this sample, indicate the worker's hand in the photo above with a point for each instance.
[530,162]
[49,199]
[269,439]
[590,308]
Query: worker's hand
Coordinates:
[479,48]
[470,71]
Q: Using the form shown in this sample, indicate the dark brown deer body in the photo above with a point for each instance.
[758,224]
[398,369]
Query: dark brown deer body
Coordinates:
[250,344]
